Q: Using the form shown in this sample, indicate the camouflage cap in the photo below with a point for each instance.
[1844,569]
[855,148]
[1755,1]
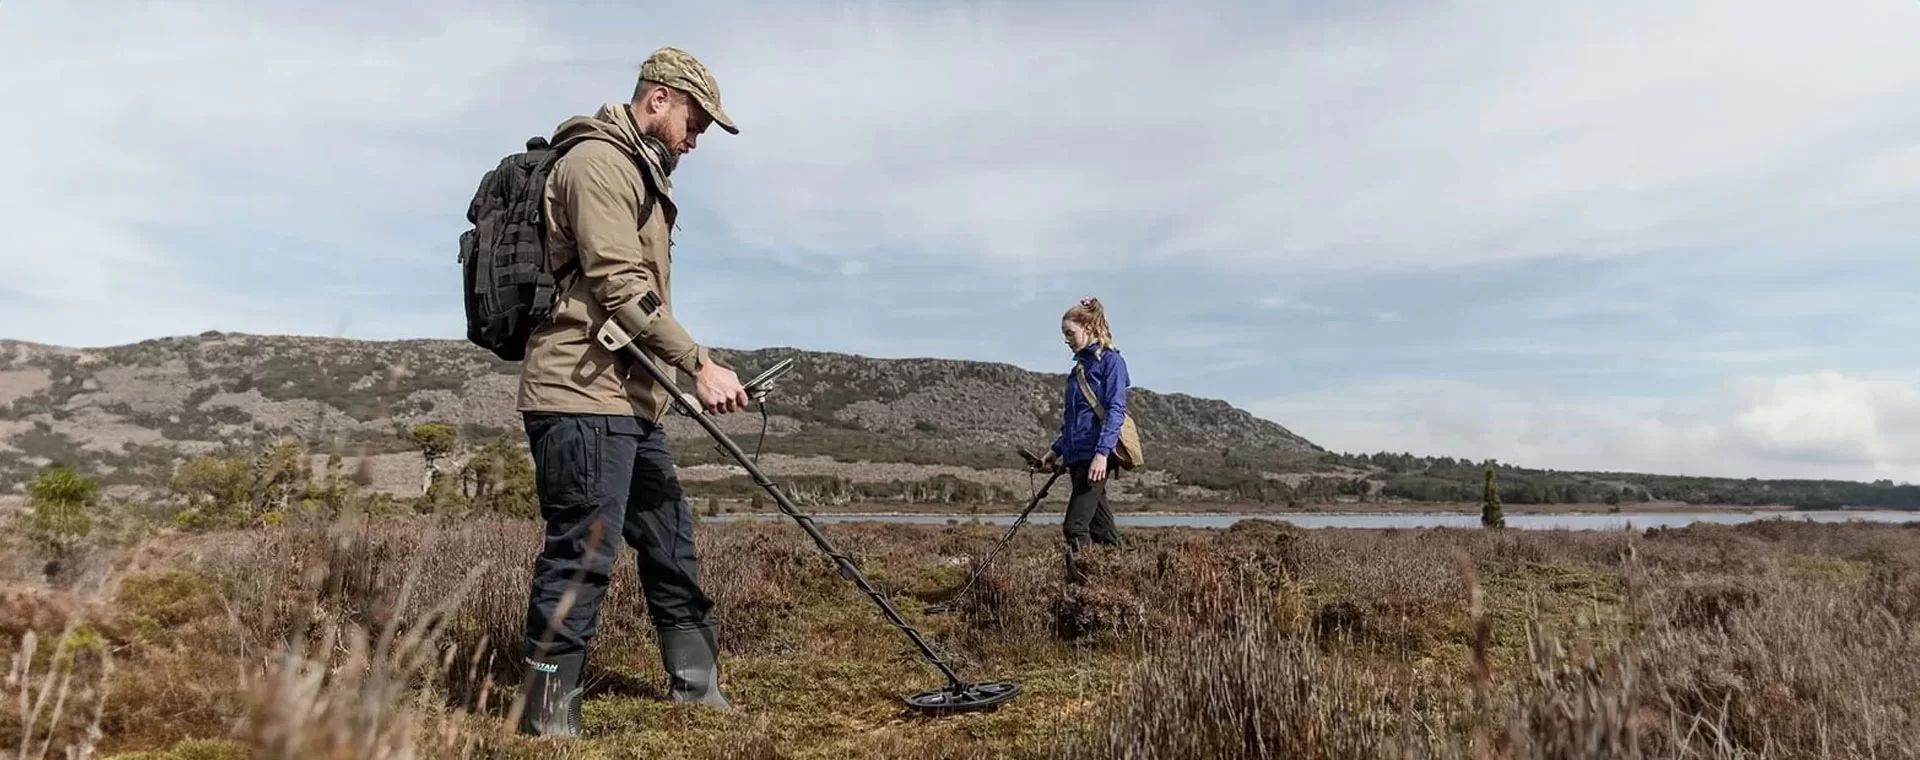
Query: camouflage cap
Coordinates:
[678,69]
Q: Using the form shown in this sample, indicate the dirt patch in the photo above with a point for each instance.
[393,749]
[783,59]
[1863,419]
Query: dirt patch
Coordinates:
[11,428]
[145,390]
[96,430]
[486,400]
[399,474]
[21,383]
[21,352]
[305,416]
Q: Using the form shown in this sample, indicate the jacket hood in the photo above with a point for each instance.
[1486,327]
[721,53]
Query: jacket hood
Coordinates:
[614,123]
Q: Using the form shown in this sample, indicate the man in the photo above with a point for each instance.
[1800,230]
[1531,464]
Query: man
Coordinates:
[594,424]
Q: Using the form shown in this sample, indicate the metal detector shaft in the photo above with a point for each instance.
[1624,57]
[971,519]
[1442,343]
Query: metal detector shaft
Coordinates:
[1008,536]
[691,407]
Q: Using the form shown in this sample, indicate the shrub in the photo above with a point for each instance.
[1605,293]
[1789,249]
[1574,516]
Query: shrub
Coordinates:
[228,492]
[61,499]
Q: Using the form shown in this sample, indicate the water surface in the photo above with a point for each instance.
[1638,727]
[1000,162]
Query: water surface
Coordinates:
[1547,521]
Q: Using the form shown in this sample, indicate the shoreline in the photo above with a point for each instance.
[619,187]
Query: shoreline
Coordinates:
[1236,509]
[1330,513]
[775,513]
[1367,520]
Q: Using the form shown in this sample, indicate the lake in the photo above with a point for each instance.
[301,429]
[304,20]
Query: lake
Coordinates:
[1562,521]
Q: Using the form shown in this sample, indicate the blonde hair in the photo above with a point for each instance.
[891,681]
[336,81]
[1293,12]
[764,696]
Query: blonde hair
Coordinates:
[1091,315]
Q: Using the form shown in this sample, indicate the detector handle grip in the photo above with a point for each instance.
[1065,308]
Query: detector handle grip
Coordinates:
[762,384]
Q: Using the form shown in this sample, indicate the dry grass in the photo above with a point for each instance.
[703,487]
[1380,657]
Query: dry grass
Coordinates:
[60,694]
[398,638]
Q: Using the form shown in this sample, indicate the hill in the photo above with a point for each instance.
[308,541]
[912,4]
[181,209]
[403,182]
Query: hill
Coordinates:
[128,414]
[842,429]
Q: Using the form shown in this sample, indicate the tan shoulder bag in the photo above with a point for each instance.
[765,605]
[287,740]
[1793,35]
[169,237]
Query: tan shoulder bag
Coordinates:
[1127,452]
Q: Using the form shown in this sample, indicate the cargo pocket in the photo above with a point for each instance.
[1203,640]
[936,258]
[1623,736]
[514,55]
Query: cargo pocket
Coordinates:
[626,437]
[627,426]
[566,457]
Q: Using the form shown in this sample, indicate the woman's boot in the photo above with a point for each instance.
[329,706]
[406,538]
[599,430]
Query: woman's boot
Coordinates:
[1076,569]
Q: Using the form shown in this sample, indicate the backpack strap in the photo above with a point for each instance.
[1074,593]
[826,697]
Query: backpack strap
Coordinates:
[565,275]
[1086,389]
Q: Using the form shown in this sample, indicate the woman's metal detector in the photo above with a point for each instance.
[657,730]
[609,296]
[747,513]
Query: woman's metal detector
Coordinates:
[1033,462]
[957,695]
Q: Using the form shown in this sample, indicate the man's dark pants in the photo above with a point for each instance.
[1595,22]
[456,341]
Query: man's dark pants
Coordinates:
[603,479]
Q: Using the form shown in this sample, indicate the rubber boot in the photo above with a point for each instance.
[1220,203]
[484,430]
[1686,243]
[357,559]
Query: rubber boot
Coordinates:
[691,657]
[553,691]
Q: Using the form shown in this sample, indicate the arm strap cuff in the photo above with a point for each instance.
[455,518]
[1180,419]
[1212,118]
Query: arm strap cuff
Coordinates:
[629,321]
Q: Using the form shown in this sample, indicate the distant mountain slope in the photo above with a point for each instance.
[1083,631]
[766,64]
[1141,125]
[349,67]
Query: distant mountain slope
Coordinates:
[129,412]
[843,428]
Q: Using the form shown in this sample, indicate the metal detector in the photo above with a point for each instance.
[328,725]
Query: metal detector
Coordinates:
[957,695]
[1034,463]
[759,387]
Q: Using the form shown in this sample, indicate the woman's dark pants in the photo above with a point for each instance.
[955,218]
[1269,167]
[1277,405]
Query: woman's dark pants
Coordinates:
[1088,517]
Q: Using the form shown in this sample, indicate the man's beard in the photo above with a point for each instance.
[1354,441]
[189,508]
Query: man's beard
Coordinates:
[665,157]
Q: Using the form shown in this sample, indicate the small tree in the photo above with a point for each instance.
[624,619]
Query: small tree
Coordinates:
[281,477]
[498,479]
[435,441]
[1491,515]
[61,498]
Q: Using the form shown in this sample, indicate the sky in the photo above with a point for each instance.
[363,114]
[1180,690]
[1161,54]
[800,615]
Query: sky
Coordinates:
[1673,237]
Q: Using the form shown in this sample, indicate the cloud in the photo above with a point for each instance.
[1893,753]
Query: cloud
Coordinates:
[232,153]
[1410,135]
[1618,207]
[1283,303]
[1832,418]
[190,166]
[1823,424]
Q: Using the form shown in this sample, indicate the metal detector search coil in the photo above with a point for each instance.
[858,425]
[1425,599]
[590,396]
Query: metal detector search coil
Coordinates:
[967,698]
[958,696]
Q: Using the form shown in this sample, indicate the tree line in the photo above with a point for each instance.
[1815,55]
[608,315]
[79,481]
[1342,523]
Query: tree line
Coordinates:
[1425,478]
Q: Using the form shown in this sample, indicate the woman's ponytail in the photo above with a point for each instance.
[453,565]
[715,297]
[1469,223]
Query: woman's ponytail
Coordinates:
[1089,313]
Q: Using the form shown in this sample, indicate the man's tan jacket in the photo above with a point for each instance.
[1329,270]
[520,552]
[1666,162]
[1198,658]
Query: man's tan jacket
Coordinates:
[592,204]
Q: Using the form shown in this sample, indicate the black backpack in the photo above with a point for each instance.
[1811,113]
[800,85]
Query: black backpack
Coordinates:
[509,288]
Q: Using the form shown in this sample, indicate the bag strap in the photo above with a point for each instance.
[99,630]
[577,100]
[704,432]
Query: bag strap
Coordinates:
[565,275]
[1080,373]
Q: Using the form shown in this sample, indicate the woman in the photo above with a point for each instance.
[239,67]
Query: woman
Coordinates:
[1088,437]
